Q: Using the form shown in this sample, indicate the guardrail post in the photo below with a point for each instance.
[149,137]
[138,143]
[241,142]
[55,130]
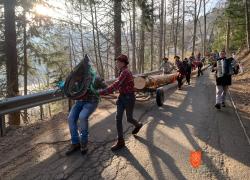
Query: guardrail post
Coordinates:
[2,125]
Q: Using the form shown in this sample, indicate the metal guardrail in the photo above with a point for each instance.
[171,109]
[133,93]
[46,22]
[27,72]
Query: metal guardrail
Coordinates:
[18,103]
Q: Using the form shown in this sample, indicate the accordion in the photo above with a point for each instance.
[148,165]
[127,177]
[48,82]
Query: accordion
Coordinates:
[225,67]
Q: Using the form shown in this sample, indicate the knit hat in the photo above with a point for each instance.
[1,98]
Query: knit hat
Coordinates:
[165,59]
[176,57]
[122,58]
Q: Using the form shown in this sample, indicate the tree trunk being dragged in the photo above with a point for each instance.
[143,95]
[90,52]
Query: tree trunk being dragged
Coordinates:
[153,81]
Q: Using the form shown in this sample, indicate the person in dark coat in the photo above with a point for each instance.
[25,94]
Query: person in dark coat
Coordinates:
[223,69]
[199,65]
[188,68]
[180,70]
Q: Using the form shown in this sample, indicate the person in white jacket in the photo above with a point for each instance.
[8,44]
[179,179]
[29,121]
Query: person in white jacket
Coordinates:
[167,66]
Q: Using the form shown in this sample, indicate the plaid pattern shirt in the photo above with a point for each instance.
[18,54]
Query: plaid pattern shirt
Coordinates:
[124,83]
[180,67]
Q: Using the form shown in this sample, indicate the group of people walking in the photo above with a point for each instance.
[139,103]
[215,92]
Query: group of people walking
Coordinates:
[85,106]
[184,68]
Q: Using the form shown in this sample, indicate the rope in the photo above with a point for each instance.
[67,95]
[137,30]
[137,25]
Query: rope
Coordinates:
[239,118]
[79,81]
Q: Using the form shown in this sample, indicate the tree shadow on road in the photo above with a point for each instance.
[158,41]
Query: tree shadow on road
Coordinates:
[208,132]
[58,166]
[133,160]
[167,159]
[47,160]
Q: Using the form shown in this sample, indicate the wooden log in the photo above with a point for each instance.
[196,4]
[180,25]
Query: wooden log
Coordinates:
[140,82]
[154,81]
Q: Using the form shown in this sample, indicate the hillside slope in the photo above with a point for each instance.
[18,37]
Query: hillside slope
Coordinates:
[241,89]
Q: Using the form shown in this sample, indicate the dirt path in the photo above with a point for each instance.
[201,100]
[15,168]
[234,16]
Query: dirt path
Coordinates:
[186,122]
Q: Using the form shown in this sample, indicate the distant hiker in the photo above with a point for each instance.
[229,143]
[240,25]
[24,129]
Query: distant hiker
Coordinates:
[192,56]
[192,60]
[236,65]
[210,59]
[198,57]
[241,69]
[188,68]
[167,66]
[216,55]
[125,101]
[199,65]
[180,70]
[234,55]
[224,71]
[81,111]
[203,60]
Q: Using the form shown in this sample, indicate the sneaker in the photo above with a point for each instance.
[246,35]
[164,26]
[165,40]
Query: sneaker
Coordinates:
[119,145]
[137,129]
[73,148]
[217,106]
[84,148]
[223,104]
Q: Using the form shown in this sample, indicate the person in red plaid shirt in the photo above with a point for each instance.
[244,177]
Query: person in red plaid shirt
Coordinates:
[125,101]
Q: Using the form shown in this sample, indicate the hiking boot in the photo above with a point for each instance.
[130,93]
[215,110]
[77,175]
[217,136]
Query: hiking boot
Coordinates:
[84,148]
[73,148]
[217,106]
[223,104]
[137,129]
[119,145]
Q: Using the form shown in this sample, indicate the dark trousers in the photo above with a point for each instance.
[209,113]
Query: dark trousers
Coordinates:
[179,80]
[125,103]
[188,75]
[200,71]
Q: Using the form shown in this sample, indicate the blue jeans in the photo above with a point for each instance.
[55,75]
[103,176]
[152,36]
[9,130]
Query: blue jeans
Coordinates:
[81,110]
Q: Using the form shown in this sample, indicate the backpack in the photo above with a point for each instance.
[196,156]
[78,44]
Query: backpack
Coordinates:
[80,80]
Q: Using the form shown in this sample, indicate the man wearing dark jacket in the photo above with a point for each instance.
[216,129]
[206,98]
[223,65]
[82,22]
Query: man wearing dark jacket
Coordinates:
[180,70]
[188,69]
[223,78]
